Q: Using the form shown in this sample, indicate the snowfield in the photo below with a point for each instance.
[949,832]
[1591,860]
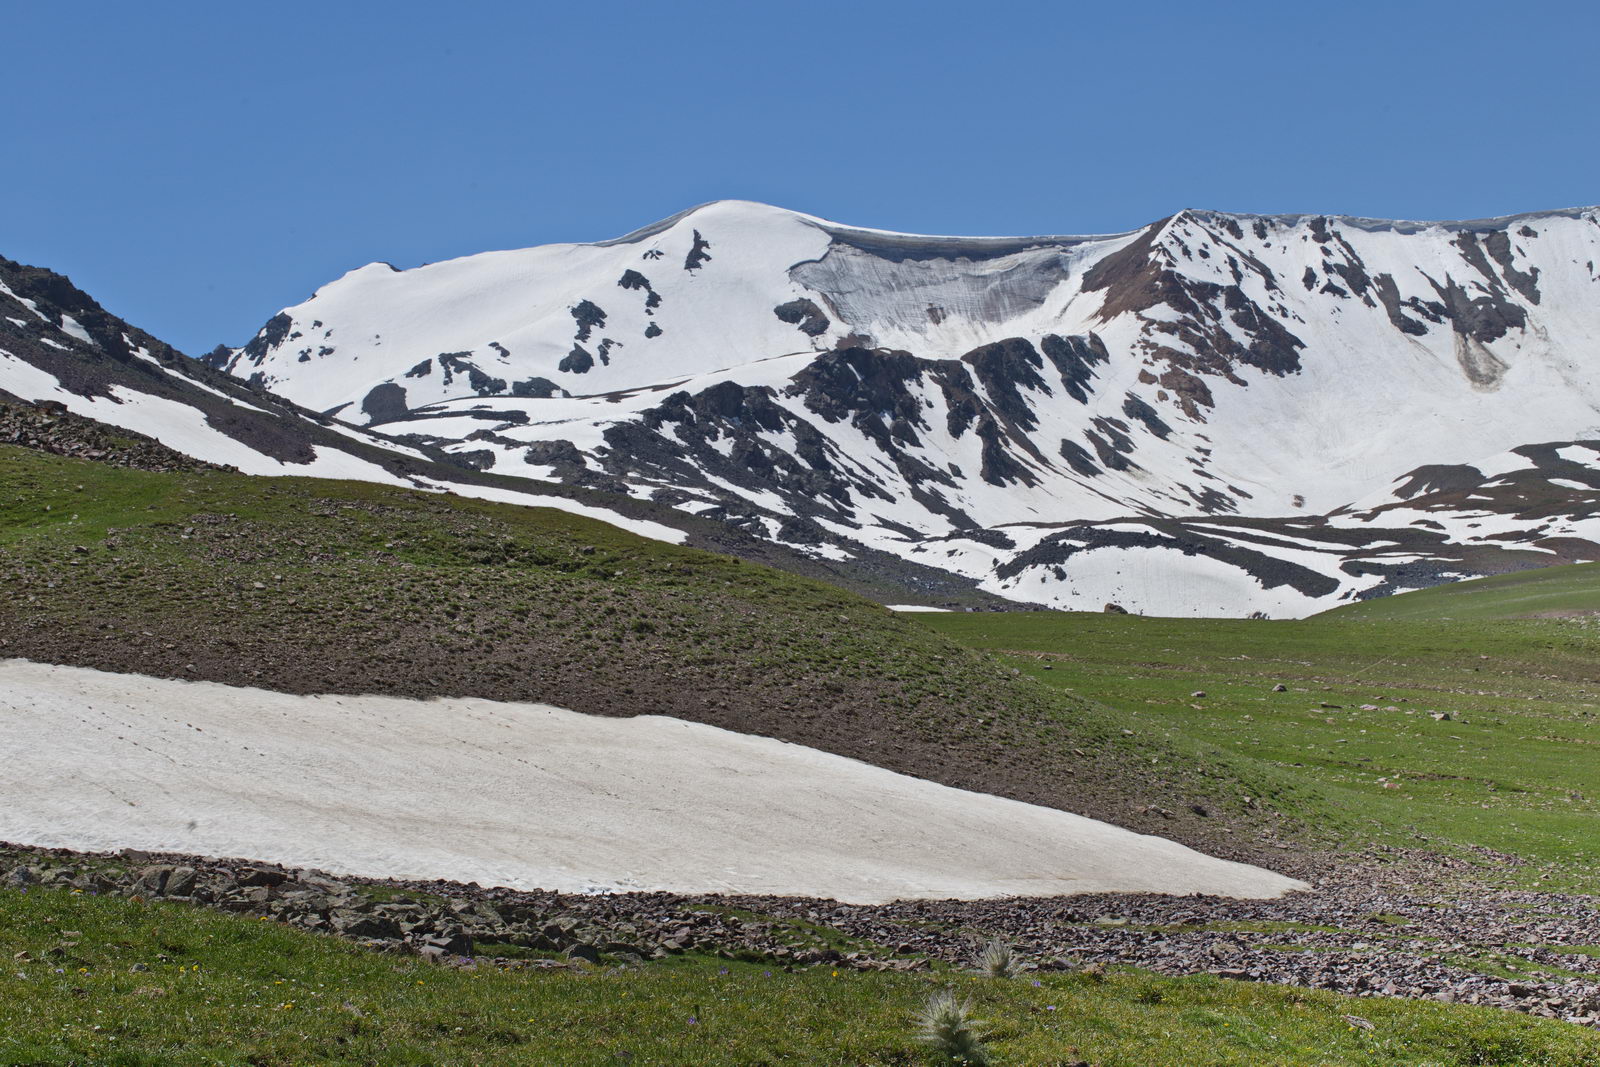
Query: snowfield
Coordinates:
[531,796]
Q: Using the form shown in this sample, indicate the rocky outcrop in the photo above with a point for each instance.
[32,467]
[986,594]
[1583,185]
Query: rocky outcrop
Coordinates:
[51,428]
[805,315]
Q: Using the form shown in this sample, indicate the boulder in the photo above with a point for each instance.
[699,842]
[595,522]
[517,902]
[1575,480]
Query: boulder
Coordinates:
[20,877]
[256,876]
[181,882]
[152,881]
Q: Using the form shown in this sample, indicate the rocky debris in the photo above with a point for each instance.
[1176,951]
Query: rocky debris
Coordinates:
[49,427]
[1358,933]
[1356,939]
[443,921]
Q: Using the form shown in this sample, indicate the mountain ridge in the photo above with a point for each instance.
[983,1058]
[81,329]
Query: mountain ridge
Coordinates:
[831,387]
[1218,413]
[128,403]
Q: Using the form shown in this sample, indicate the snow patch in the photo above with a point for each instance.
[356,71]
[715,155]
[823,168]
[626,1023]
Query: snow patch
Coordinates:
[73,328]
[532,796]
[643,527]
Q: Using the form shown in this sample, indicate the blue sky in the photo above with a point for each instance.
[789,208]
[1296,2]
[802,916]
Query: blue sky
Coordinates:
[198,166]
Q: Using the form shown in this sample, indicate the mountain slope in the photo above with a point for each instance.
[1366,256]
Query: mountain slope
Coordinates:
[60,348]
[970,403]
[1459,719]
[303,585]
[93,385]
[1548,593]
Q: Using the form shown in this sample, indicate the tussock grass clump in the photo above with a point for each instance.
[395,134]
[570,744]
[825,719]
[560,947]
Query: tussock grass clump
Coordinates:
[999,960]
[946,1024]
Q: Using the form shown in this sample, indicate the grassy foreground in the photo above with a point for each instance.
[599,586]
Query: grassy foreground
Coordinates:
[110,981]
[1441,720]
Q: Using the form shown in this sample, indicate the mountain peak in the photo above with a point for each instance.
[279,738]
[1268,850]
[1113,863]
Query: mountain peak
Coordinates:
[960,402]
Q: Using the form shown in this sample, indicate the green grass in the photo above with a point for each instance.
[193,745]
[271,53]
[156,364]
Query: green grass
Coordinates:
[110,981]
[1546,591]
[1513,768]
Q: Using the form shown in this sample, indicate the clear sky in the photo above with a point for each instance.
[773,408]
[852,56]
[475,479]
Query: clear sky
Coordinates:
[197,166]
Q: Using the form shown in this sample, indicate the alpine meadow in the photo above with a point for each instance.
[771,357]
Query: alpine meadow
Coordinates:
[747,638]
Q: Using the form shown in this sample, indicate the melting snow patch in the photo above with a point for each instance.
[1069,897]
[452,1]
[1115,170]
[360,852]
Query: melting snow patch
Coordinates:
[24,301]
[73,328]
[643,527]
[823,551]
[531,796]
[144,354]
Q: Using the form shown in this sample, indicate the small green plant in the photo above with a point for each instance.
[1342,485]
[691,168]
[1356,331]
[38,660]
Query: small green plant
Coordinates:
[946,1024]
[999,960]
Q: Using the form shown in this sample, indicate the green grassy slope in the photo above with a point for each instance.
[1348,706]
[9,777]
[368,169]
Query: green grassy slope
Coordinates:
[1458,734]
[110,981]
[320,586]
[1549,591]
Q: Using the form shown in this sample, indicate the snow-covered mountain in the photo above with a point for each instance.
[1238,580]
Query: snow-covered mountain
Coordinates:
[61,350]
[1202,416]
[59,347]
